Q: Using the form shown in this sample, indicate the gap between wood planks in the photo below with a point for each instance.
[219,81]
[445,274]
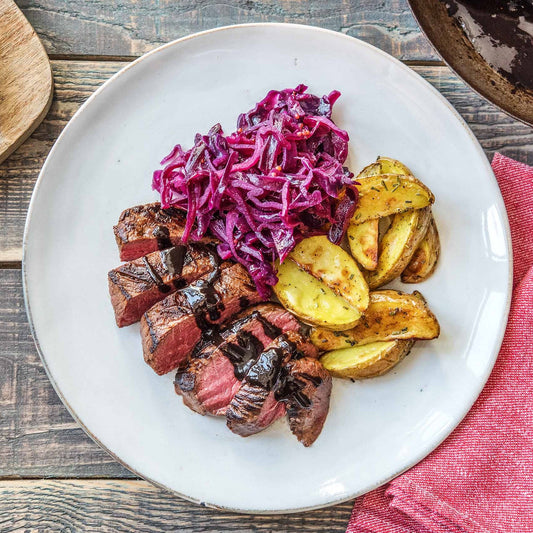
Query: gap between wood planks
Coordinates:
[129,59]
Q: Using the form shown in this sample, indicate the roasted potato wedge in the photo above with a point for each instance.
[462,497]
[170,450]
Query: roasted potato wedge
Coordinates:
[312,300]
[398,245]
[388,194]
[333,266]
[366,361]
[363,241]
[425,258]
[384,165]
[391,315]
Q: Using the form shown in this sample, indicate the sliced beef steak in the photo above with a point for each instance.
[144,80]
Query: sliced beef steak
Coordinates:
[137,285]
[254,407]
[172,327]
[146,228]
[306,388]
[211,378]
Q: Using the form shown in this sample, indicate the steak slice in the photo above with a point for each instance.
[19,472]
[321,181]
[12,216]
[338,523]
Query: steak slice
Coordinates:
[172,327]
[252,410]
[306,388]
[146,228]
[137,285]
[255,407]
[208,381]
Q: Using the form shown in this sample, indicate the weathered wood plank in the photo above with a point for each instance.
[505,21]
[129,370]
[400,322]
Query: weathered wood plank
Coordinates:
[132,28]
[76,80]
[38,437]
[115,506]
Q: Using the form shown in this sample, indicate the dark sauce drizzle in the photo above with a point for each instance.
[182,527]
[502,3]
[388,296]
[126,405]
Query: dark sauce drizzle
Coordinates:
[244,353]
[156,278]
[173,260]
[162,234]
[265,371]
[202,297]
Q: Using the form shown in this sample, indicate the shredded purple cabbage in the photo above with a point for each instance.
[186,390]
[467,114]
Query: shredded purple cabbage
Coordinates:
[261,190]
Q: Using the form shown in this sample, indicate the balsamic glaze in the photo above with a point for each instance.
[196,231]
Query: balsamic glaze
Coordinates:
[156,278]
[265,371]
[215,262]
[243,354]
[162,234]
[173,260]
[271,331]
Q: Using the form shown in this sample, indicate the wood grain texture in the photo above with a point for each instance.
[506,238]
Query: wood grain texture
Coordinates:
[76,80]
[25,79]
[38,437]
[123,506]
[132,28]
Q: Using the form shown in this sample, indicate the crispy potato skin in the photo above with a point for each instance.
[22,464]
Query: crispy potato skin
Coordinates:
[312,300]
[334,267]
[398,245]
[367,361]
[363,242]
[391,315]
[425,258]
[384,165]
[388,194]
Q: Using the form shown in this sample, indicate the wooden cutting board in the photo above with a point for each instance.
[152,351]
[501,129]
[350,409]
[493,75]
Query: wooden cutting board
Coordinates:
[26,83]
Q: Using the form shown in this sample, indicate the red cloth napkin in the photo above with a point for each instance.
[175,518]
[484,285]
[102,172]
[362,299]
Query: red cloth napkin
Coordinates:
[481,478]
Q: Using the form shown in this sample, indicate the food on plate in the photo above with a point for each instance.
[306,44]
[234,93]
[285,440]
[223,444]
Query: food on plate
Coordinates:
[312,300]
[172,327]
[243,373]
[384,165]
[391,315]
[146,228]
[334,267]
[255,405]
[267,209]
[363,240]
[425,258]
[277,179]
[388,194]
[308,388]
[137,285]
[366,360]
[398,245]
[212,374]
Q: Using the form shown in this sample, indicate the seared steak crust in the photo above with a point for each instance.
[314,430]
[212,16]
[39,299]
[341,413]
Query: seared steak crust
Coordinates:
[146,228]
[307,388]
[137,285]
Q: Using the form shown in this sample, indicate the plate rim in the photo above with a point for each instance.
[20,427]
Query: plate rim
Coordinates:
[507,237]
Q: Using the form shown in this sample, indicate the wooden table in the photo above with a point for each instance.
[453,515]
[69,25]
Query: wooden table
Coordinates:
[52,476]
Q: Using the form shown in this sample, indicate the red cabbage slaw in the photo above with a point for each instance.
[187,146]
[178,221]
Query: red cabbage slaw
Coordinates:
[276,180]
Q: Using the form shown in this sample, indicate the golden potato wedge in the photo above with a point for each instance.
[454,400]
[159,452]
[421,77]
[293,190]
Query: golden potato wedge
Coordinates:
[312,300]
[366,361]
[363,241]
[332,265]
[425,258]
[384,165]
[391,315]
[388,194]
[398,245]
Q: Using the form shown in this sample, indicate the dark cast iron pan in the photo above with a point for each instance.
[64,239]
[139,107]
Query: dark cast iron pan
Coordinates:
[457,51]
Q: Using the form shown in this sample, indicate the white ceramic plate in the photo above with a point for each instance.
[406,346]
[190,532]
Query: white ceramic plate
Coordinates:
[103,162]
